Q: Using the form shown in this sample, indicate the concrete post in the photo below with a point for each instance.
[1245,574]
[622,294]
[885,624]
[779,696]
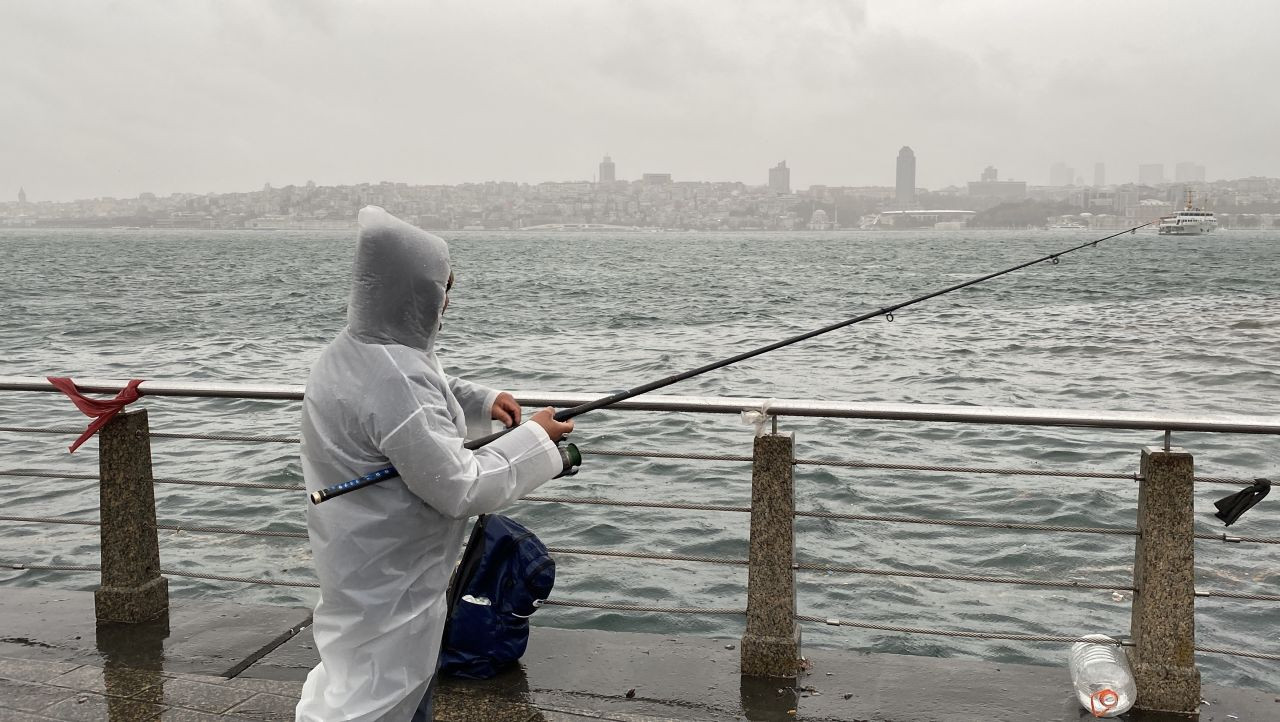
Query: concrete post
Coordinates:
[771,644]
[132,589]
[1163,624]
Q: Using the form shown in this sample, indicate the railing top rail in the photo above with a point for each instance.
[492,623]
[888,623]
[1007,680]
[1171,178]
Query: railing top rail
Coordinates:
[199,389]
[1013,416]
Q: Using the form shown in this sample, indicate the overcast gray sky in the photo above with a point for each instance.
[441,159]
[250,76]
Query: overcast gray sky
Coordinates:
[116,98]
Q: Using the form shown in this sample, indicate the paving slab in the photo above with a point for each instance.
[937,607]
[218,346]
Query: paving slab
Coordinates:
[205,637]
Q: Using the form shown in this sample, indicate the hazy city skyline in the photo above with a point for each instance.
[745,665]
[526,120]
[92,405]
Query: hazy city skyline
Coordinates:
[132,97]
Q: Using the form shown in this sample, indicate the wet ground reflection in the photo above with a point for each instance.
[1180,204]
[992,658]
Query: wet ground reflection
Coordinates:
[768,699]
[133,659]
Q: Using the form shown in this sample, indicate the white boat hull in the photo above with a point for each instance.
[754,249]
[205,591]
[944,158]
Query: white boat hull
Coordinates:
[1186,229]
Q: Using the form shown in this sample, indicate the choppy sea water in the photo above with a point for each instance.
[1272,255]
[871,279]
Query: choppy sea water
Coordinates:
[1141,323]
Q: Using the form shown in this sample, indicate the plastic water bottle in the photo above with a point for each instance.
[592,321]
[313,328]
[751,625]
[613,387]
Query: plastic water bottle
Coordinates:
[1101,675]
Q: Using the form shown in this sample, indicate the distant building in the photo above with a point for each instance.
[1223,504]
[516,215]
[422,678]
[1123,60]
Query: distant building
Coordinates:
[991,187]
[22,195]
[607,174]
[1151,174]
[1099,174]
[819,221]
[656,179]
[1188,173]
[906,179]
[1147,210]
[1061,174]
[780,178]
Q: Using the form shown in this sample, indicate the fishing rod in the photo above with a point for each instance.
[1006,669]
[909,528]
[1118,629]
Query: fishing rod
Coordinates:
[573,458]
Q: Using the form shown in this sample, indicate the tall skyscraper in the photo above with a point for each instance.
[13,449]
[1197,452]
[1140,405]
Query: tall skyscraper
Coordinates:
[1150,174]
[780,178]
[1061,174]
[906,185]
[606,170]
[1099,174]
[1188,173]
[22,195]
[990,174]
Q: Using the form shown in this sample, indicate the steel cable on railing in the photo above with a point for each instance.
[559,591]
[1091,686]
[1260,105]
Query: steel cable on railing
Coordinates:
[811,567]
[643,608]
[226,437]
[645,504]
[588,451]
[647,555]
[281,439]
[50,475]
[836,622]
[19,566]
[1238,595]
[967,469]
[48,430]
[190,482]
[966,523]
[1222,480]
[1223,537]
[243,580]
[232,530]
[1238,653]
[50,520]
[1010,472]
[164,526]
[234,484]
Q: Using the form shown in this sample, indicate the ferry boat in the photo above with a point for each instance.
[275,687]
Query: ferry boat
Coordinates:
[1190,221]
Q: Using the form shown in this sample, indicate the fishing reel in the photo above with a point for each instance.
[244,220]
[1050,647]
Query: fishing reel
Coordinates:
[570,457]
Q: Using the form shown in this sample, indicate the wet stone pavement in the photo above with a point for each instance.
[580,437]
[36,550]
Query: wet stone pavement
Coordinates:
[40,690]
[217,661]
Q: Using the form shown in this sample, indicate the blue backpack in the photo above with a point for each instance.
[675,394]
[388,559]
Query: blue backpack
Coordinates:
[504,576]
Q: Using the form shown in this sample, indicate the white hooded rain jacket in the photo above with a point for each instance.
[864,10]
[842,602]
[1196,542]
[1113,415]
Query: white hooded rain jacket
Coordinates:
[377,397]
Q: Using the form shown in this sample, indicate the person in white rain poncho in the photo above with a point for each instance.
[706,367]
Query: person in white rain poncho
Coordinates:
[378,397]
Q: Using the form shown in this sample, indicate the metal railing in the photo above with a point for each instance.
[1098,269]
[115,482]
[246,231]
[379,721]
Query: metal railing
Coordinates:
[1163,612]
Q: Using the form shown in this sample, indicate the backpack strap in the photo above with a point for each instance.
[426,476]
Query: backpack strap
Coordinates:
[465,570]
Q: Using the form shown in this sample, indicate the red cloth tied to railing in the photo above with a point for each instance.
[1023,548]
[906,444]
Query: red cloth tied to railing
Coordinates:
[101,409]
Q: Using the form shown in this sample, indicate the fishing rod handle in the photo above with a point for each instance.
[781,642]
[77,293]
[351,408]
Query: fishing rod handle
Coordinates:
[570,459]
[347,487]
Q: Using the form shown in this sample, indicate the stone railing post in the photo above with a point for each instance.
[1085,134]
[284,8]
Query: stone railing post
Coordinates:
[771,644]
[1163,624]
[132,589]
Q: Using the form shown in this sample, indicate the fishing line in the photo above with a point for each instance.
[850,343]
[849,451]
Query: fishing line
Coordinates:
[570,453]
